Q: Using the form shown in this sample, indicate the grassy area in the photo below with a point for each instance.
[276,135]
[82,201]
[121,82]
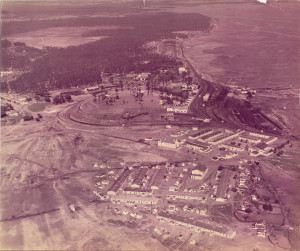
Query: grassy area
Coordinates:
[37,107]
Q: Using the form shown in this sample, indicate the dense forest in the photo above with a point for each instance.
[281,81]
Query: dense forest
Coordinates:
[120,52]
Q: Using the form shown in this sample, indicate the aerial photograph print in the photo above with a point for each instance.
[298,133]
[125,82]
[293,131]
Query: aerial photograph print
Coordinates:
[150,125]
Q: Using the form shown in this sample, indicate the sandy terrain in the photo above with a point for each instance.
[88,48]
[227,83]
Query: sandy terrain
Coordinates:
[45,169]
[56,37]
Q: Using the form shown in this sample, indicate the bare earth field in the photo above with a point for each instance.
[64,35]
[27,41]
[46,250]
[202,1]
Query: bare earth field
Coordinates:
[252,45]
[46,168]
[56,37]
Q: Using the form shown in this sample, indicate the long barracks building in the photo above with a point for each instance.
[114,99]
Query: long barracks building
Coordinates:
[195,225]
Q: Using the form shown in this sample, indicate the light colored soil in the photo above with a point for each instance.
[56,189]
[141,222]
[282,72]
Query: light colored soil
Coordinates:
[55,37]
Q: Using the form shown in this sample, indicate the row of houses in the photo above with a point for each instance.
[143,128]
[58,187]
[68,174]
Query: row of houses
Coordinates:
[178,110]
[137,191]
[196,225]
[185,196]
[233,147]
[256,138]
[210,136]
[133,200]
[222,139]
[200,134]
[199,146]
[261,148]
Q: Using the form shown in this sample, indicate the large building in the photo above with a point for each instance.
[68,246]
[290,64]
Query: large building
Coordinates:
[261,148]
[168,144]
[198,172]
[210,136]
[259,135]
[233,147]
[249,139]
[200,146]
[172,195]
[137,191]
[201,133]
[90,89]
[132,200]
[196,225]
[222,139]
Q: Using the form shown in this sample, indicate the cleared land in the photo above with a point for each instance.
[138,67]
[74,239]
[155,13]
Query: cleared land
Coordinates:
[56,37]
[252,45]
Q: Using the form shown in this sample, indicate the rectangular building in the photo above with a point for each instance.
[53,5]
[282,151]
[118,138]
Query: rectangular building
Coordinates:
[137,191]
[222,139]
[198,172]
[259,135]
[185,196]
[210,136]
[200,146]
[201,133]
[168,144]
[132,200]
[232,147]
[196,225]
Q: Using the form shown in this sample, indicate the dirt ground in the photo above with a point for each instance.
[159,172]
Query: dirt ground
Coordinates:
[238,49]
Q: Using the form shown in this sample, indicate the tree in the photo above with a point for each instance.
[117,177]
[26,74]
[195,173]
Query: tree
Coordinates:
[28,117]
[68,98]
[58,100]
[267,207]
[5,43]
[37,98]
[248,210]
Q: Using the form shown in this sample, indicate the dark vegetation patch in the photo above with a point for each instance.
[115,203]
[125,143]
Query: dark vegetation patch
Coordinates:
[120,52]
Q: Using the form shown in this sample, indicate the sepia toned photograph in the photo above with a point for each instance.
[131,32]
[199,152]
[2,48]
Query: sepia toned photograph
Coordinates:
[150,125]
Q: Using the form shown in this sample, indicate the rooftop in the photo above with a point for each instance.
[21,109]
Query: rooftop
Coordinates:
[261,145]
[201,168]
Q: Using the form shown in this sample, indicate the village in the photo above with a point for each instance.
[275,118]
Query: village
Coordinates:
[219,186]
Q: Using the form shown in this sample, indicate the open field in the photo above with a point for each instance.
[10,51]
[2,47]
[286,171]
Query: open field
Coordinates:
[255,48]
[56,37]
